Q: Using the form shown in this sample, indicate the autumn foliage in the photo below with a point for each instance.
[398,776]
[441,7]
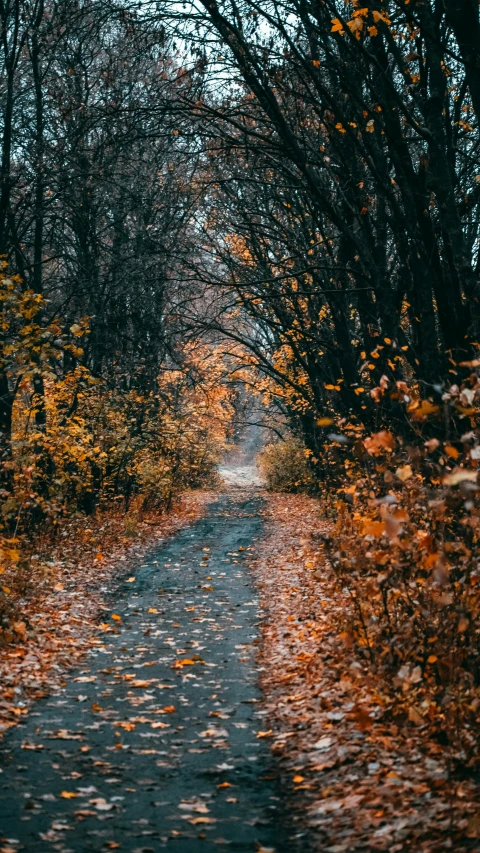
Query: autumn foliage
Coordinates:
[343,227]
[74,442]
[282,195]
[404,548]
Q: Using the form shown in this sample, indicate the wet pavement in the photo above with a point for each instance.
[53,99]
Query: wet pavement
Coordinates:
[153,743]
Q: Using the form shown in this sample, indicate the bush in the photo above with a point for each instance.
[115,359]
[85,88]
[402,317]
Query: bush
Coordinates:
[284,465]
[405,551]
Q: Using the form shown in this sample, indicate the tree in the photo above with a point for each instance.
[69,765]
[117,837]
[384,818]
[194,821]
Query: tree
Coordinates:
[364,118]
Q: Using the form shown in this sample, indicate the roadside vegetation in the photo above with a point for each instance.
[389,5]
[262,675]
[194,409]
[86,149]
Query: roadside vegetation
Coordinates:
[204,202]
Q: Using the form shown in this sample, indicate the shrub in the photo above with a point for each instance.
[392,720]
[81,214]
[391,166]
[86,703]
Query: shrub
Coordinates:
[285,467]
[405,551]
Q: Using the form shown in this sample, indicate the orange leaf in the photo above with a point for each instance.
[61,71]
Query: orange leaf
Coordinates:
[196,820]
[379,441]
[374,528]
[380,16]
[181,663]
[451,451]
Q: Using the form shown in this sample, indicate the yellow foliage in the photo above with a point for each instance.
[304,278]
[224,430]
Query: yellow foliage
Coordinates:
[285,467]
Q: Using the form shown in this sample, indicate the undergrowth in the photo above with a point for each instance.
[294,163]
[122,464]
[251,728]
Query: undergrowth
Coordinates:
[405,507]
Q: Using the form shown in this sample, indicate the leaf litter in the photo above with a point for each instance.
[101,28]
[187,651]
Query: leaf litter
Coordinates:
[74,573]
[356,779]
[185,764]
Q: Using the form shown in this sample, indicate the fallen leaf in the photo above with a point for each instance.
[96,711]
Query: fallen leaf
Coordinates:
[195,820]
[460,475]
[323,743]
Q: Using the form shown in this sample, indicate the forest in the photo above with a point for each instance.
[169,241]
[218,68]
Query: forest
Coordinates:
[237,224]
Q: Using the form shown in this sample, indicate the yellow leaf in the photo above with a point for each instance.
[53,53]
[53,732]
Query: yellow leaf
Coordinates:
[13,554]
[68,795]
[116,617]
[423,410]
[404,473]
